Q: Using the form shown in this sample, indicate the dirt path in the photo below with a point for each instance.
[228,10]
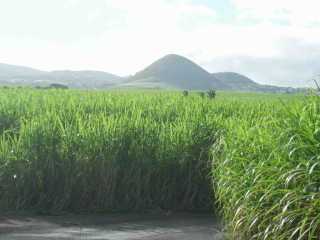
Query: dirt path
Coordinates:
[110,227]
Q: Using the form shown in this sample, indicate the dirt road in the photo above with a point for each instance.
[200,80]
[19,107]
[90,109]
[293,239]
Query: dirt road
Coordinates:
[110,227]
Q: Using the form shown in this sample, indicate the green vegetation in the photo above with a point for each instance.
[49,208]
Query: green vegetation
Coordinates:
[211,94]
[185,93]
[63,150]
[267,171]
[71,150]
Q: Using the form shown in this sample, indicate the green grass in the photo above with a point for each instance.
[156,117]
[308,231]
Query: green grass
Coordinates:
[255,155]
[267,172]
[70,150]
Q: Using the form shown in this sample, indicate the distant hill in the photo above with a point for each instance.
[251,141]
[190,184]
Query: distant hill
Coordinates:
[236,81]
[84,79]
[174,71]
[177,72]
[170,72]
[8,71]
[18,75]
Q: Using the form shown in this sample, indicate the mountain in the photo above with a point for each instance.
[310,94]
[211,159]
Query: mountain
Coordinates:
[84,79]
[236,81]
[18,75]
[177,72]
[174,71]
[9,71]
[170,72]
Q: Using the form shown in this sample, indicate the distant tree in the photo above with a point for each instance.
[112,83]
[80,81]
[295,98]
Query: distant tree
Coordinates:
[58,86]
[211,93]
[185,93]
[202,94]
[317,84]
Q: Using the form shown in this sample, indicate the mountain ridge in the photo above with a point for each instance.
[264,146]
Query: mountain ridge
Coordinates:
[25,76]
[178,72]
[169,72]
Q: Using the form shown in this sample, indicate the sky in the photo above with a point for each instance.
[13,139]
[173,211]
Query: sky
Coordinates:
[272,41]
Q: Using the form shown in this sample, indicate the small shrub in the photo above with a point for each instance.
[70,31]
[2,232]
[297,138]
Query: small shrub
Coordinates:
[202,94]
[185,93]
[211,94]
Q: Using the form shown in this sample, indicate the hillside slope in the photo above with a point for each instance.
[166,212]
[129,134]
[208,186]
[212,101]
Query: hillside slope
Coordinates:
[170,72]
[18,75]
[85,79]
[8,71]
[174,71]
[236,81]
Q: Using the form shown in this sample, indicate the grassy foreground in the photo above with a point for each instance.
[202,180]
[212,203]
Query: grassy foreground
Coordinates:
[114,151]
[266,171]
[96,151]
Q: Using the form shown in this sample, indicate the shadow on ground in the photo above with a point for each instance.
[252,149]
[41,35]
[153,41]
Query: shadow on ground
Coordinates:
[111,227]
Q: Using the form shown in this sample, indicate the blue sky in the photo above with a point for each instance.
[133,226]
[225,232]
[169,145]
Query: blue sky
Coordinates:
[273,42]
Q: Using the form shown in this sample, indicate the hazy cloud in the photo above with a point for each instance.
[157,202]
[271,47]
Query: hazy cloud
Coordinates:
[296,66]
[123,36]
[295,12]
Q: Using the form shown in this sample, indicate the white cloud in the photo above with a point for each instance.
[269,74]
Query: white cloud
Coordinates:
[123,36]
[120,36]
[296,12]
[295,64]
